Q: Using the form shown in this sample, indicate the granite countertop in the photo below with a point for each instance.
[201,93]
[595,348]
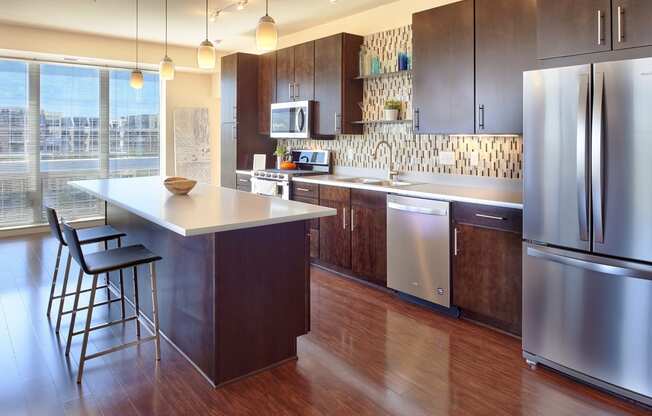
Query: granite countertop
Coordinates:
[206,209]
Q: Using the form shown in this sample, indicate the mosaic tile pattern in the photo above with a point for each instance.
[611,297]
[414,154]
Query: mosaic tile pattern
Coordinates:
[498,156]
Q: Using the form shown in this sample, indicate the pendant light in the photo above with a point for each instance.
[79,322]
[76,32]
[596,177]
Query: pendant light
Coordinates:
[166,67]
[266,33]
[206,51]
[136,80]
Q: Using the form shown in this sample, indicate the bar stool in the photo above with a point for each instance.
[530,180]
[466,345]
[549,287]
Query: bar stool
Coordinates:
[91,235]
[103,262]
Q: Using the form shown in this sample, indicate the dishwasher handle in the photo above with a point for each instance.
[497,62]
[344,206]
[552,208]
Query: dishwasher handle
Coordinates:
[419,210]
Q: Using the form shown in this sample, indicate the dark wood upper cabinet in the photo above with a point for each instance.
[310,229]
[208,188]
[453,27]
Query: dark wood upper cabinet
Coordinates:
[443,70]
[335,231]
[505,46]
[369,235]
[304,71]
[337,93]
[573,27]
[284,74]
[632,23]
[266,90]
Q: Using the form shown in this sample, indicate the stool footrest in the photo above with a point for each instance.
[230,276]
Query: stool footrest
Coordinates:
[120,347]
[106,325]
[106,302]
[81,291]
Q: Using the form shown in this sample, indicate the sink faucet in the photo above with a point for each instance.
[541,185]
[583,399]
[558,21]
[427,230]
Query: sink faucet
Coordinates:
[391,173]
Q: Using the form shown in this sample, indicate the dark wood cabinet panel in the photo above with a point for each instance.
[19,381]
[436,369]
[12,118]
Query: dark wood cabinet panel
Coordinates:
[369,235]
[312,227]
[487,277]
[305,190]
[488,216]
[335,231]
[328,81]
[266,90]
[304,71]
[443,74]
[632,23]
[573,27]
[505,46]
[284,74]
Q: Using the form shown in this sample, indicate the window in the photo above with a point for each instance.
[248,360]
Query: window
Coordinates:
[60,123]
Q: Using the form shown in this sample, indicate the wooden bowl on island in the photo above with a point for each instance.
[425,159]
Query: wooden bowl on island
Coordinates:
[178,185]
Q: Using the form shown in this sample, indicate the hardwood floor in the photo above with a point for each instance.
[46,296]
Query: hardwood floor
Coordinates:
[368,354]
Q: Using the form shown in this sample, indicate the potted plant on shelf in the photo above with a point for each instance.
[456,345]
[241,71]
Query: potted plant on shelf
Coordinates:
[392,108]
[280,152]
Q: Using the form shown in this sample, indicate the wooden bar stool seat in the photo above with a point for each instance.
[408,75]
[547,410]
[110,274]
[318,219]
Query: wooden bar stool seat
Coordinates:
[92,235]
[104,262]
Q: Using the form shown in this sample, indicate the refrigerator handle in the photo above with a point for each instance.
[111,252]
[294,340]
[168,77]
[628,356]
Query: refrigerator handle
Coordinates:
[597,158]
[582,177]
[592,263]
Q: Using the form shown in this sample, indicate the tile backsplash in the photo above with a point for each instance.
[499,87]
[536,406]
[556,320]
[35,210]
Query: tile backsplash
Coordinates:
[496,156]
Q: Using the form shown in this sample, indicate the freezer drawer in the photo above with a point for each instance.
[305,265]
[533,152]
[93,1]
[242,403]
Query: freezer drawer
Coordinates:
[591,315]
[418,248]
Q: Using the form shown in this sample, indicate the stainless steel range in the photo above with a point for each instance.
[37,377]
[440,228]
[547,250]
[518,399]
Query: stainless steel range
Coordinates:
[276,182]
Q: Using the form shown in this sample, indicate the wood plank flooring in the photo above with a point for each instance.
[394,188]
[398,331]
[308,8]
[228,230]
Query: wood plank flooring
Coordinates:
[369,353]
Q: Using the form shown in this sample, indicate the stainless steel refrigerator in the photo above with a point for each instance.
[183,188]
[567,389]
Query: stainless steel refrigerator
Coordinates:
[587,265]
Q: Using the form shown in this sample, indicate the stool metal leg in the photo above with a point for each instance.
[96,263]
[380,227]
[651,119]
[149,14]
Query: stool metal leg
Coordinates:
[74,311]
[89,317]
[108,291]
[136,301]
[64,289]
[122,287]
[54,278]
[152,271]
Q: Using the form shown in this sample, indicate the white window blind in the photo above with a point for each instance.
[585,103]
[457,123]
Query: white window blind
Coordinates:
[60,123]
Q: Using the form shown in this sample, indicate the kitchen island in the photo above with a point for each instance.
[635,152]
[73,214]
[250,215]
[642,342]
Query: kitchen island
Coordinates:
[233,285]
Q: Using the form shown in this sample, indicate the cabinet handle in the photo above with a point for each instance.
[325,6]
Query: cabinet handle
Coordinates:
[344,218]
[296,91]
[455,242]
[243,180]
[600,36]
[352,219]
[303,189]
[291,91]
[481,116]
[235,113]
[491,217]
[621,33]
[338,123]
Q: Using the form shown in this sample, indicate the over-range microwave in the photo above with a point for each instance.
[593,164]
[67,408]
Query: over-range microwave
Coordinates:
[292,120]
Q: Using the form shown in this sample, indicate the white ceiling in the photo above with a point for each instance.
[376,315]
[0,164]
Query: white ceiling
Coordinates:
[116,18]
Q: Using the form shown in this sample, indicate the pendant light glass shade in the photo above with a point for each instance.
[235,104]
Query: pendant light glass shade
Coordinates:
[206,55]
[166,69]
[136,81]
[266,33]
[206,51]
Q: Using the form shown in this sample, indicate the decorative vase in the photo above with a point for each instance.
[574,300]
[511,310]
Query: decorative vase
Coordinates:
[391,115]
[279,160]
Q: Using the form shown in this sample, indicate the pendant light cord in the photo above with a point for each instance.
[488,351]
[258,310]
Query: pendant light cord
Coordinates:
[166,27]
[136,34]
[266,7]
[206,19]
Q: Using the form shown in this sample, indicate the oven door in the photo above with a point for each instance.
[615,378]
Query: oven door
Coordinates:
[291,120]
[279,189]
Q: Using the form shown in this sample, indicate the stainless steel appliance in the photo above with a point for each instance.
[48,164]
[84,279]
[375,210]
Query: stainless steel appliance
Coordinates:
[276,182]
[292,120]
[587,269]
[418,248]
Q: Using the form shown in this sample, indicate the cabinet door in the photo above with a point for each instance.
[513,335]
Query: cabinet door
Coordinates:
[369,235]
[632,23]
[335,231]
[573,27]
[505,44]
[266,90]
[487,277]
[228,80]
[304,71]
[443,74]
[328,82]
[284,74]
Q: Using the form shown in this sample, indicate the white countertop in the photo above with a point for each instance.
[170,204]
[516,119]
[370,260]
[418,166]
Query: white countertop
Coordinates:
[206,209]
[472,194]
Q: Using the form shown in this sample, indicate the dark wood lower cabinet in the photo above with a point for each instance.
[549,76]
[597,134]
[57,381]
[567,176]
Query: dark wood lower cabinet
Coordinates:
[335,231]
[312,227]
[369,235]
[487,277]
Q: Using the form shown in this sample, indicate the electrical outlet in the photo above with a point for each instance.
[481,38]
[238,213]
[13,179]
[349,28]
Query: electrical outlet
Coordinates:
[474,158]
[447,158]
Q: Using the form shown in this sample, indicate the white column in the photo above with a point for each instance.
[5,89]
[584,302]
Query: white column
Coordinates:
[33,142]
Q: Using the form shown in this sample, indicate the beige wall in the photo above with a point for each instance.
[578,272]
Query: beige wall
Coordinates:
[194,91]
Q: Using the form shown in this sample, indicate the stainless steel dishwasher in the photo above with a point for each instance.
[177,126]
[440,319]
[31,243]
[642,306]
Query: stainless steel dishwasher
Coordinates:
[418,248]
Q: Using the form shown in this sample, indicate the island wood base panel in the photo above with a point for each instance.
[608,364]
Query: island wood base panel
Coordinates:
[233,302]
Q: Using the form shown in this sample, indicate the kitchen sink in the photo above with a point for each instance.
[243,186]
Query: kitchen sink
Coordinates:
[373,181]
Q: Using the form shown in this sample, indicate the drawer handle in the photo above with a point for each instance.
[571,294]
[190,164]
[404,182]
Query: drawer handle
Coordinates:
[491,217]
[303,189]
[243,180]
